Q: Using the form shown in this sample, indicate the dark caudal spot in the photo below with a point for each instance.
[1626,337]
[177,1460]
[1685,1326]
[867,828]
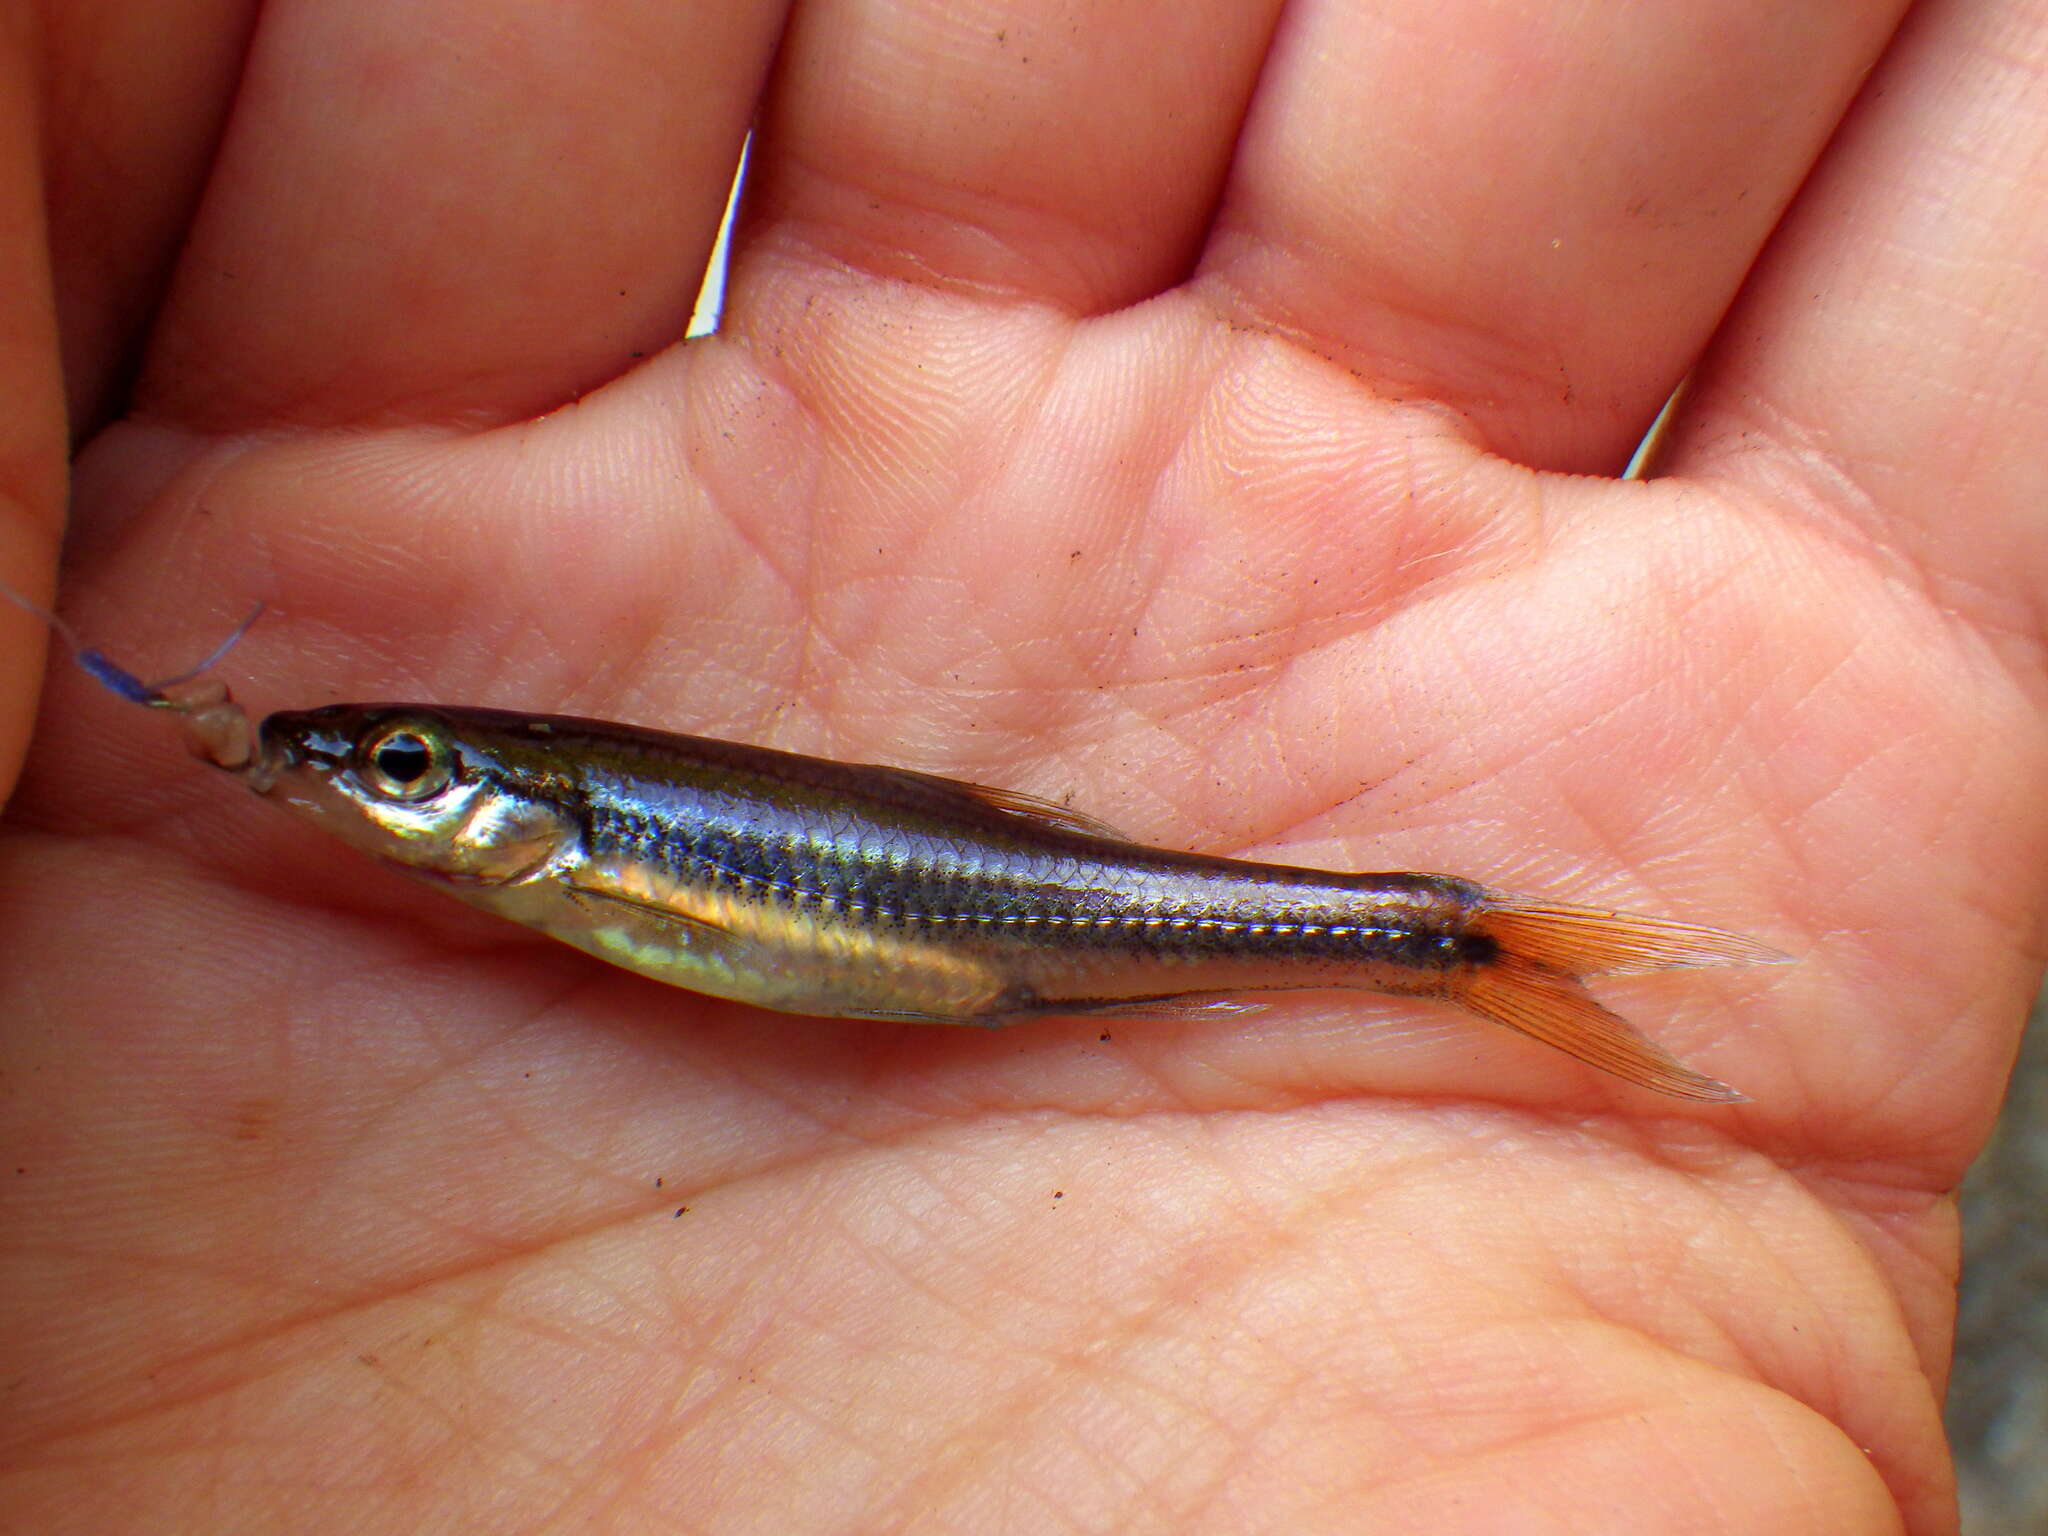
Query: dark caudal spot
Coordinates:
[1475,949]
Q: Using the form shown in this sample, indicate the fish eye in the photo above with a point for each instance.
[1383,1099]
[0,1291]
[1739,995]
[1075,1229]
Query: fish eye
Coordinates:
[405,763]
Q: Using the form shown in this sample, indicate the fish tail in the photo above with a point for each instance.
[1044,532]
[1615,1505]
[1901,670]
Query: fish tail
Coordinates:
[1589,941]
[1531,983]
[1555,1009]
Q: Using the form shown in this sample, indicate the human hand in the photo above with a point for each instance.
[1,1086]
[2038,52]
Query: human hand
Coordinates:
[1131,408]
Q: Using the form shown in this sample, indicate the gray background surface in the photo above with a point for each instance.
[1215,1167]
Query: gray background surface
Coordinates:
[1998,1397]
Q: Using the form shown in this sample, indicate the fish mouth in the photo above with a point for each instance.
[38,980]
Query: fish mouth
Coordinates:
[264,767]
[296,743]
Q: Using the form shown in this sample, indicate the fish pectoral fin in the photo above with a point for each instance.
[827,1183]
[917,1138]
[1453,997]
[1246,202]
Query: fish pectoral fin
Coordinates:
[699,932]
[1552,1008]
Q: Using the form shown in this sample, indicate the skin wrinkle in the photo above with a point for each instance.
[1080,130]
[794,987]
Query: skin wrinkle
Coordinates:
[1799,1472]
[1127,1328]
[818,1418]
[956,1465]
[1325,824]
[803,1110]
[605,1495]
[1879,758]
[896,264]
[1585,814]
[1110,1372]
[1753,1365]
[1139,1397]
[1134,1329]
[972,704]
[1556,1429]
[1317,826]
[1280,268]
[1241,1454]
[846,647]
[1108,1472]
[1533,1439]
[1831,1389]
[766,363]
[838,244]
[902,1269]
[165,1404]
[1845,1388]
[450,1066]
[728,1370]
[1239,684]
[1442,780]
[634,642]
[1736,1355]
[1468,1433]
[884,445]
[1487,543]
[669,1427]
[560,1469]
[692,1404]
[1250,688]
[592,1282]
[1143,568]
[317,1318]
[743,1376]
[795,667]
[1893,1241]
[1833,502]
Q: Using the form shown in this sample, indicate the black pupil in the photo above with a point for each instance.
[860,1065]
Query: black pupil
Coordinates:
[403,759]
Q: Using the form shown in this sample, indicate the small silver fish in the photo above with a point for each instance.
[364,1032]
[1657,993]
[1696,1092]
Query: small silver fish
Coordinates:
[859,891]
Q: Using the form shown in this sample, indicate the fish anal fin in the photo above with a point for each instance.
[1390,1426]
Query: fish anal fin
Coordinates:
[1587,941]
[1011,802]
[1553,1009]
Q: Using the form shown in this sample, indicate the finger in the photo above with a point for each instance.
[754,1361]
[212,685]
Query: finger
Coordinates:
[471,211]
[32,446]
[1532,213]
[1887,361]
[1071,154]
[139,94]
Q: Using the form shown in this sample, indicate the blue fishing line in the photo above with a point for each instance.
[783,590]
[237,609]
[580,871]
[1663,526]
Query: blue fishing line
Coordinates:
[115,676]
[109,673]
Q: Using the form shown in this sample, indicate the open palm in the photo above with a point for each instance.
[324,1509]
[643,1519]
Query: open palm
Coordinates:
[1184,411]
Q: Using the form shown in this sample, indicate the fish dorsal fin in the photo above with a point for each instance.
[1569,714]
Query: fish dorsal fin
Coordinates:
[1011,802]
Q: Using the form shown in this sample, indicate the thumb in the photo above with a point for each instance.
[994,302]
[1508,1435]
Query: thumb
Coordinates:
[32,433]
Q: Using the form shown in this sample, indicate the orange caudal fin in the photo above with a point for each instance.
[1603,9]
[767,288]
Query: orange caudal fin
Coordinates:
[1586,941]
[1552,1008]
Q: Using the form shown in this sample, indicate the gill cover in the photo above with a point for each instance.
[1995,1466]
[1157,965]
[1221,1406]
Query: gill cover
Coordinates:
[404,783]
